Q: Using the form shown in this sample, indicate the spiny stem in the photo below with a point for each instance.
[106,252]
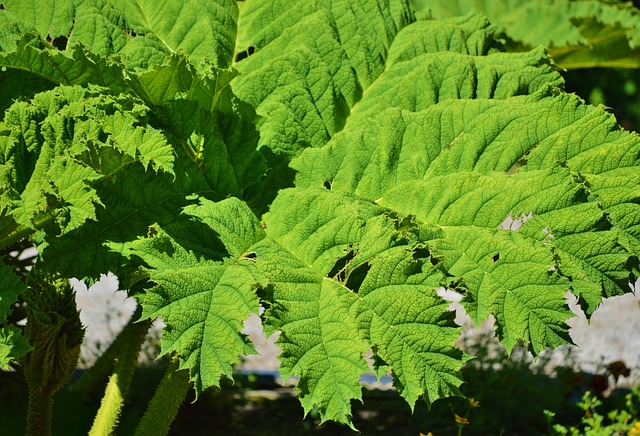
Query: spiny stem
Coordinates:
[89,381]
[39,413]
[165,403]
[118,386]
[55,332]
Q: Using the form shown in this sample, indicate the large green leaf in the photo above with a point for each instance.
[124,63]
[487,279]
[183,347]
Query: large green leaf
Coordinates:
[412,141]
[204,127]
[320,248]
[205,286]
[215,157]
[577,33]
[451,139]
[56,148]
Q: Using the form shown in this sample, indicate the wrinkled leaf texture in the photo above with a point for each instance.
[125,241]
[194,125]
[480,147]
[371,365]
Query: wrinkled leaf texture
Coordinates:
[411,141]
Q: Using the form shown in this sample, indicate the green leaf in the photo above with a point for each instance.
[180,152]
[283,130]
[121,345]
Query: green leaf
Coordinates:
[407,144]
[578,34]
[207,129]
[318,341]
[478,137]
[142,32]
[320,248]
[446,174]
[10,288]
[56,148]
[13,345]
[70,67]
[203,297]
[409,326]
[450,134]
[214,156]
[304,64]
[126,214]
[201,30]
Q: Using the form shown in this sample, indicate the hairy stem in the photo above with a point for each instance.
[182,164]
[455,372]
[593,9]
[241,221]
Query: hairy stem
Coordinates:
[39,413]
[55,332]
[119,382]
[91,379]
[166,402]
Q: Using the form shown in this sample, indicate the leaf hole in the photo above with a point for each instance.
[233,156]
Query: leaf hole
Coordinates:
[245,54]
[328,184]
[495,258]
[338,270]
[422,253]
[449,295]
[509,223]
[375,361]
[266,297]
[249,255]
[517,165]
[1,7]
[357,276]
[59,42]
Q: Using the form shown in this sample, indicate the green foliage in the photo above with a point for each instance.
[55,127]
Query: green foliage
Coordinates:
[577,33]
[388,150]
[593,423]
[196,278]
[12,346]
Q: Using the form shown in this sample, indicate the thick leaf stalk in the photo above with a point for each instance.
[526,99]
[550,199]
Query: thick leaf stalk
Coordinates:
[166,402]
[117,388]
[16,233]
[94,378]
[56,333]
